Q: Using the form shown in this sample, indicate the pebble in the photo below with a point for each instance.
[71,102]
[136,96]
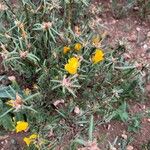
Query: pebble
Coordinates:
[2,142]
[145,46]
[124,136]
[108,127]
[129,147]
[138,29]
[77,110]
[148,34]
[136,8]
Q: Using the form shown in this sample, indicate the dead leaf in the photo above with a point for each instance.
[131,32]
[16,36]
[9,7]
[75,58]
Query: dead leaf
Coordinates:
[24,54]
[12,78]
[56,103]
[17,104]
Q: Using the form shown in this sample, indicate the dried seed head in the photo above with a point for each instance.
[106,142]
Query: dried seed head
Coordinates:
[17,104]
[46,25]
[18,24]
[24,34]
[24,54]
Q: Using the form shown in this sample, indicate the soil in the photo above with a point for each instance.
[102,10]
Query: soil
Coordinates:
[12,141]
[116,129]
[136,34]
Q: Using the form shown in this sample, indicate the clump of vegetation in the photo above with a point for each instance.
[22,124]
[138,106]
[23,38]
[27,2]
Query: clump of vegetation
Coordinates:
[54,45]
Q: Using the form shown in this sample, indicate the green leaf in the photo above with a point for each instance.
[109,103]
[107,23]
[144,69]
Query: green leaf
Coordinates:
[7,122]
[6,92]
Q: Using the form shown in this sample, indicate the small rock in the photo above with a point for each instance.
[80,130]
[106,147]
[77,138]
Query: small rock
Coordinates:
[144,107]
[138,29]
[113,22]
[81,125]
[129,147]
[109,126]
[2,142]
[132,38]
[148,34]
[148,120]
[135,21]
[124,135]
[142,55]
[77,110]
[145,46]
[136,8]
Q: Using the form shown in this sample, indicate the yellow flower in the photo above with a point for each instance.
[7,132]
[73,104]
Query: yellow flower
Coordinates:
[98,56]
[21,126]
[10,103]
[66,49]
[27,141]
[30,139]
[78,46]
[72,65]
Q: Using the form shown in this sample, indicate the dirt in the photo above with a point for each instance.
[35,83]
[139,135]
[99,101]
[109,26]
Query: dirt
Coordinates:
[116,129]
[12,141]
[135,33]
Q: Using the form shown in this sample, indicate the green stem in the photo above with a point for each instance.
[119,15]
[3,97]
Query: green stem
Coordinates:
[69,18]
[14,15]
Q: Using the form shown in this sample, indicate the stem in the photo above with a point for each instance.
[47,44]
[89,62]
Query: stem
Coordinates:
[14,15]
[27,15]
[70,7]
